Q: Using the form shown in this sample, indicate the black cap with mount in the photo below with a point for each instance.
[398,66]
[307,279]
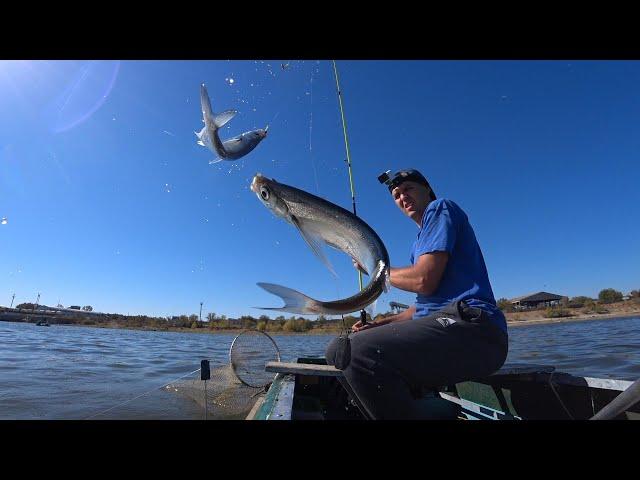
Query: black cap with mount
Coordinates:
[392,181]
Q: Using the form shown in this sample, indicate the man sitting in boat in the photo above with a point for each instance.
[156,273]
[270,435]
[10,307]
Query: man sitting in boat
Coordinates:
[453,333]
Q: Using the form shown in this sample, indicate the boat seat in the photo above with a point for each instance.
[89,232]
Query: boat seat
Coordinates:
[511,369]
[303,369]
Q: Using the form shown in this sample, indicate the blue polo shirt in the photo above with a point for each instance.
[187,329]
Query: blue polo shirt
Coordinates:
[446,228]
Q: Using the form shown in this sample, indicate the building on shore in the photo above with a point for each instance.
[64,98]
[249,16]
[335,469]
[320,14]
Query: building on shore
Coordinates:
[537,300]
[397,307]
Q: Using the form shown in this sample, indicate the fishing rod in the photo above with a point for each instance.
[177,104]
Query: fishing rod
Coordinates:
[363,314]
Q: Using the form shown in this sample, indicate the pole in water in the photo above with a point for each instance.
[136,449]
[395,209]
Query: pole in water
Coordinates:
[205,374]
[363,314]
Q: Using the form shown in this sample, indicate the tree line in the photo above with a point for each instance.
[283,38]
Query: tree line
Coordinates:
[213,322]
[299,324]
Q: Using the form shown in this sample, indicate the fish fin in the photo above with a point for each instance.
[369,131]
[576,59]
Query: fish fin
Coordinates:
[205,103]
[294,301]
[315,243]
[220,119]
[199,142]
[202,133]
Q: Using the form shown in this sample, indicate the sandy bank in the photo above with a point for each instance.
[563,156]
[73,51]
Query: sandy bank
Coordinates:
[540,320]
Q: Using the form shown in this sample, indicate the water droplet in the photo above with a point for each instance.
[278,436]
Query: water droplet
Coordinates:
[4,221]
[205,220]
[117,252]
[167,188]
[229,80]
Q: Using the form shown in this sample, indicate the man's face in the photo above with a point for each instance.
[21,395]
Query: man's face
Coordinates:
[412,198]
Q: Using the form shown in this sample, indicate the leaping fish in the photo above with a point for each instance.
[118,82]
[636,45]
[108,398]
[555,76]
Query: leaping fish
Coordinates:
[232,149]
[321,221]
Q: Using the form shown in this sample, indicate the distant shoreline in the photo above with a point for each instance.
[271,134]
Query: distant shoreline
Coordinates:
[511,323]
[577,318]
[202,331]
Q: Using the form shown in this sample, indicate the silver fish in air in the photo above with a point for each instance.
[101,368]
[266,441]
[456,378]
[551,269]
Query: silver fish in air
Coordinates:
[320,221]
[232,149]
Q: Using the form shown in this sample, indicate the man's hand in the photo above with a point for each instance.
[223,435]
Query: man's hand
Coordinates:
[358,326]
[400,317]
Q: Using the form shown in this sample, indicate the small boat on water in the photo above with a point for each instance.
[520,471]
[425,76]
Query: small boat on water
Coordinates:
[310,389]
[43,323]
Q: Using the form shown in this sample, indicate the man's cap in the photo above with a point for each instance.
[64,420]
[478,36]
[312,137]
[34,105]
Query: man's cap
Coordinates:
[409,175]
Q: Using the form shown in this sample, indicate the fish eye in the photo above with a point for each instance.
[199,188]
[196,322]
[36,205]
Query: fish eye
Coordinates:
[264,193]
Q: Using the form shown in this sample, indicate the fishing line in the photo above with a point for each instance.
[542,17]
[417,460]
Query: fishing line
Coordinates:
[142,395]
[363,313]
[550,381]
[346,146]
[272,120]
[315,173]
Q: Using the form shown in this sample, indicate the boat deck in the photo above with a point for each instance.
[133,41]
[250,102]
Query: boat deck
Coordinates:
[311,389]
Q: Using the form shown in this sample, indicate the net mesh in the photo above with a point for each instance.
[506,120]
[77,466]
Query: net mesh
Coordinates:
[226,397]
[233,388]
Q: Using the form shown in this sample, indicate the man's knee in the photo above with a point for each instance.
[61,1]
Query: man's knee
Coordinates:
[338,352]
[330,352]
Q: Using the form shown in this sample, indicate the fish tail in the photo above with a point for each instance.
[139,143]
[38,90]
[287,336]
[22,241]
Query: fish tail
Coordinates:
[294,301]
[216,120]
[205,103]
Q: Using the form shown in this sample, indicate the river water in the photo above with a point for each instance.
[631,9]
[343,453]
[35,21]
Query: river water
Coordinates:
[69,372]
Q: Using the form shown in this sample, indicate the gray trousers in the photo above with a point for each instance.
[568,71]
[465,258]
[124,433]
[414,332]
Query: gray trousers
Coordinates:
[385,366]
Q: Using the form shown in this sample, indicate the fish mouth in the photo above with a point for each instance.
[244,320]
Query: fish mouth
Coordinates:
[255,184]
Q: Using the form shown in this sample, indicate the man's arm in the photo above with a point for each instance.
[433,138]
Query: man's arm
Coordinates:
[423,277]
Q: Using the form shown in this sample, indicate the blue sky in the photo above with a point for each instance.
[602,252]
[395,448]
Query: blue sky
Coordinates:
[109,202]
